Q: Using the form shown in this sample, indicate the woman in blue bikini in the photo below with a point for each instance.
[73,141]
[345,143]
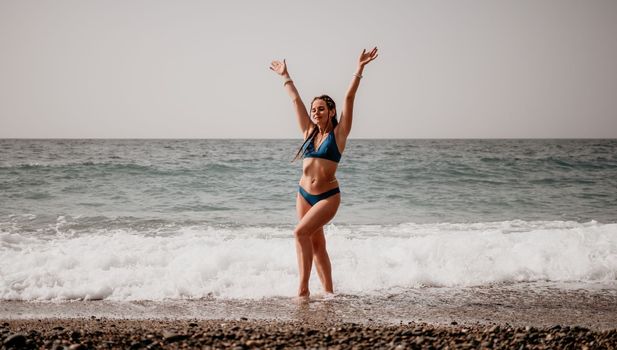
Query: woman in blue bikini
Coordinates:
[319,196]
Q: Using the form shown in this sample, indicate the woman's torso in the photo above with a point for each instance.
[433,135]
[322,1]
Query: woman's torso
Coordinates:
[319,174]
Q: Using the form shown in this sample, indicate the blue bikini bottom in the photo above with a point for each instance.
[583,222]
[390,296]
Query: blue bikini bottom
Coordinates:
[313,199]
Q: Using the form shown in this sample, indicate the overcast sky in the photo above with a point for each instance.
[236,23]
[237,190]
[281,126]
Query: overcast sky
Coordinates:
[199,69]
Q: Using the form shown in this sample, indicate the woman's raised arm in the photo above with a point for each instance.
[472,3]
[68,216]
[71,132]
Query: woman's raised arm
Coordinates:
[303,117]
[347,113]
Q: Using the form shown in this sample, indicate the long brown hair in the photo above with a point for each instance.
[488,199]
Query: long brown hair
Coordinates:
[331,106]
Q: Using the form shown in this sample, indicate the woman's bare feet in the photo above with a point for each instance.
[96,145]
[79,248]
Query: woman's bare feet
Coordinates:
[303,292]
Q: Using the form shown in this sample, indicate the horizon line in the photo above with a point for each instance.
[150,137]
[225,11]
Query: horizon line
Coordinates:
[266,139]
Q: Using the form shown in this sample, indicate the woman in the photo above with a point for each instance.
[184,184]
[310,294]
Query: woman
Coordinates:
[318,195]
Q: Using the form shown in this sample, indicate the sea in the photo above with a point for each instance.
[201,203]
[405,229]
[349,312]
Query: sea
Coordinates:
[136,220]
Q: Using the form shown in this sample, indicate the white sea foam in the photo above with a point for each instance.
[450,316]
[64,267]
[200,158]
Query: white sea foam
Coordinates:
[256,262]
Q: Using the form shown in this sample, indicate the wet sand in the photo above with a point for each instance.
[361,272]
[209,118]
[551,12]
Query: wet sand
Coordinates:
[535,315]
[522,304]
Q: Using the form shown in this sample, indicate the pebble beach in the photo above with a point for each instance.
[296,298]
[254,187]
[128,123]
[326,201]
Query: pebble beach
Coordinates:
[527,316]
[97,333]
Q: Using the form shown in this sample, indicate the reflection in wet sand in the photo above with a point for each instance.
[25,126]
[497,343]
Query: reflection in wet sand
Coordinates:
[317,310]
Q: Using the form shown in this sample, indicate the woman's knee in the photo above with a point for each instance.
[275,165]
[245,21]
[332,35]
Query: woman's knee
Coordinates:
[300,232]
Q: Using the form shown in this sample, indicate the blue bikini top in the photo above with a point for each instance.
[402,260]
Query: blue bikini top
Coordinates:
[327,150]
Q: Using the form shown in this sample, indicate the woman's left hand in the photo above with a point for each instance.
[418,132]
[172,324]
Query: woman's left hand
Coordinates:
[366,57]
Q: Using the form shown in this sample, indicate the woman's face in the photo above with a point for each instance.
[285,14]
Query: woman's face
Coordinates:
[320,112]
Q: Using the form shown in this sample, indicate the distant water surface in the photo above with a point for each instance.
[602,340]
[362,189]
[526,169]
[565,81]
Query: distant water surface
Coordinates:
[252,182]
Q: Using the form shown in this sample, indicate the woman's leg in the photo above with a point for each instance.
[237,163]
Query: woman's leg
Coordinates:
[322,260]
[320,254]
[311,220]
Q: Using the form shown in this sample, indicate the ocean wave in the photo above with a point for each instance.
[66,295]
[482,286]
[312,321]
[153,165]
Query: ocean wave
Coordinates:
[70,170]
[255,262]
[78,165]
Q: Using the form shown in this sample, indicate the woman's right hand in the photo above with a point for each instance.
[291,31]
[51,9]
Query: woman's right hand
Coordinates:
[279,67]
